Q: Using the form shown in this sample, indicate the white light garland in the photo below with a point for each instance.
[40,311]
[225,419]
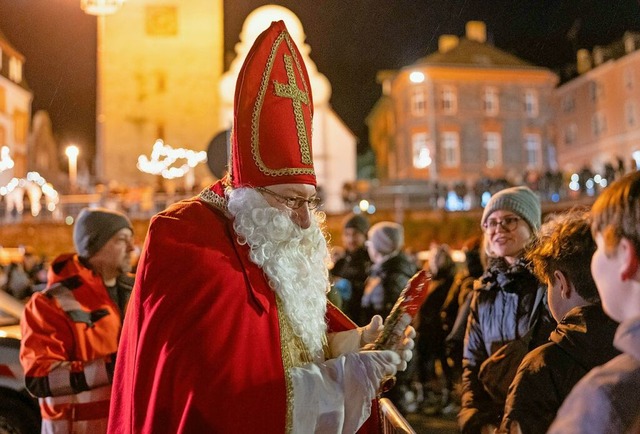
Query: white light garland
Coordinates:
[164,156]
[5,159]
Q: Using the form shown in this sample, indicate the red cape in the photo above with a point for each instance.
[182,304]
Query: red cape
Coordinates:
[200,349]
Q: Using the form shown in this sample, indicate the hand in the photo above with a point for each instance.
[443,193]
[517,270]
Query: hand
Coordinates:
[370,332]
[405,345]
[379,365]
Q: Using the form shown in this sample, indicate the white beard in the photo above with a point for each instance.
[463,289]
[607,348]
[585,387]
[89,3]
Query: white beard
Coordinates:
[295,260]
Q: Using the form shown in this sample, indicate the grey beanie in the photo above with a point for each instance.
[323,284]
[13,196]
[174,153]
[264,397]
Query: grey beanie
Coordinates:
[357,222]
[94,227]
[386,237]
[519,200]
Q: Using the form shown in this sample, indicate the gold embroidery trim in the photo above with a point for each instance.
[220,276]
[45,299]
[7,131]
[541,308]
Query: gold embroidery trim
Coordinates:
[255,117]
[213,199]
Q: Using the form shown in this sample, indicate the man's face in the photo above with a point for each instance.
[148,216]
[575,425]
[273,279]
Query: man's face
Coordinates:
[300,215]
[352,239]
[115,256]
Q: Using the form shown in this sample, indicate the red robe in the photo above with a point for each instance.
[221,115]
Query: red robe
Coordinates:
[200,349]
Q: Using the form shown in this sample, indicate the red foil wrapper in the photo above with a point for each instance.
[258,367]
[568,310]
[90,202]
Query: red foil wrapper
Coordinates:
[409,302]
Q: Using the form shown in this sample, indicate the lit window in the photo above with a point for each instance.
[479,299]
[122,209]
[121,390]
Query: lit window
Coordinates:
[450,149]
[418,102]
[15,70]
[531,103]
[449,102]
[532,149]
[421,153]
[491,101]
[493,148]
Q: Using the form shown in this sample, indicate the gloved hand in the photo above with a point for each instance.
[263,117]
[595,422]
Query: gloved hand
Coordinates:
[370,332]
[405,345]
[379,364]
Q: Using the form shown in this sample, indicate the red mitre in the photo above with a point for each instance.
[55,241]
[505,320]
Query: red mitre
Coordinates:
[273,112]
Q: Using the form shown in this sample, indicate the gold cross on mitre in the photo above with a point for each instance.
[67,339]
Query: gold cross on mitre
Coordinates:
[298,97]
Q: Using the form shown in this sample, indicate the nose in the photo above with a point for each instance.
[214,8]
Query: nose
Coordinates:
[302,217]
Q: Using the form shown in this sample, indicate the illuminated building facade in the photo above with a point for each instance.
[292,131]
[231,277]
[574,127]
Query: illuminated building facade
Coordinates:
[15,112]
[598,112]
[466,112]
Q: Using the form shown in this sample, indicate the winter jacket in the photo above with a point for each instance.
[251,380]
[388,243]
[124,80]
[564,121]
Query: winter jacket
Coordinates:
[501,311]
[354,267]
[580,342]
[385,283]
[70,335]
[607,399]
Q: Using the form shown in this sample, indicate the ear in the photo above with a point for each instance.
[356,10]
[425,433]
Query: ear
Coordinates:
[629,256]
[566,287]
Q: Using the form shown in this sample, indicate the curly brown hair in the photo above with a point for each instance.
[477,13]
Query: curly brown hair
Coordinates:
[564,243]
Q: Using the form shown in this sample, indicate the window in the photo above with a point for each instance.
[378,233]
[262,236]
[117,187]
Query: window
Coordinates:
[20,125]
[493,148]
[595,91]
[630,113]
[491,101]
[421,153]
[598,124]
[15,70]
[568,103]
[449,103]
[450,149]
[570,134]
[532,149]
[531,103]
[628,79]
[418,102]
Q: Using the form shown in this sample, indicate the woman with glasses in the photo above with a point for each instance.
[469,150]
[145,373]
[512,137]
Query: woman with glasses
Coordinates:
[508,301]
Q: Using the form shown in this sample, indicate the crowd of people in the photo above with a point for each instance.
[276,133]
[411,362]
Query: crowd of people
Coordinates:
[240,318]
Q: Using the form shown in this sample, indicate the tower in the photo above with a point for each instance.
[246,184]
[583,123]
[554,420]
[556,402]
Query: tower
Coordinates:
[159,64]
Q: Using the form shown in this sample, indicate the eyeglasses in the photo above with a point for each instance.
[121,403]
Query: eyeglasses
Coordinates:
[292,202]
[508,224]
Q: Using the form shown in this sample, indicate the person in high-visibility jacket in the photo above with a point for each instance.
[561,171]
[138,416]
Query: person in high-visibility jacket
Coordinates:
[70,330]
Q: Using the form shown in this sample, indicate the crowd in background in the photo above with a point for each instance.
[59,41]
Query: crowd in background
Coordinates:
[371,267]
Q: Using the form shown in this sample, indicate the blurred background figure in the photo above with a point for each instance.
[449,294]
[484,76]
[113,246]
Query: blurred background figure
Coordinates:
[431,333]
[390,272]
[351,267]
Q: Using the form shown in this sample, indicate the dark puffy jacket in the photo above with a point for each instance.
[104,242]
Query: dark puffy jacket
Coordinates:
[582,341]
[501,311]
[354,266]
[393,275]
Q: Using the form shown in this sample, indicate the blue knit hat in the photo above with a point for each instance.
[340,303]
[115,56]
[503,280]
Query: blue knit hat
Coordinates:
[519,200]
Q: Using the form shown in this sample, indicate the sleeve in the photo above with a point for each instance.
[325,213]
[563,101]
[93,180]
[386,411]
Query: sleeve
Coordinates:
[335,396]
[45,353]
[533,399]
[477,408]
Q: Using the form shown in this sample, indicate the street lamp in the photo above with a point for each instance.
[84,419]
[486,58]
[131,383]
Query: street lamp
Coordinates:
[101,7]
[72,152]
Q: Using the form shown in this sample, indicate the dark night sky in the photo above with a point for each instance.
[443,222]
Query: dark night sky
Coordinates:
[350,41]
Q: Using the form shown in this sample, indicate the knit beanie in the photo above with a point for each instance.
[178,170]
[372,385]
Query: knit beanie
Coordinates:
[357,222]
[519,200]
[386,237]
[94,227]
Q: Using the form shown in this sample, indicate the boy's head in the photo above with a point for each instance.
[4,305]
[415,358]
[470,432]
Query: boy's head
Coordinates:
[615,217]
[561,257]
[616,212]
